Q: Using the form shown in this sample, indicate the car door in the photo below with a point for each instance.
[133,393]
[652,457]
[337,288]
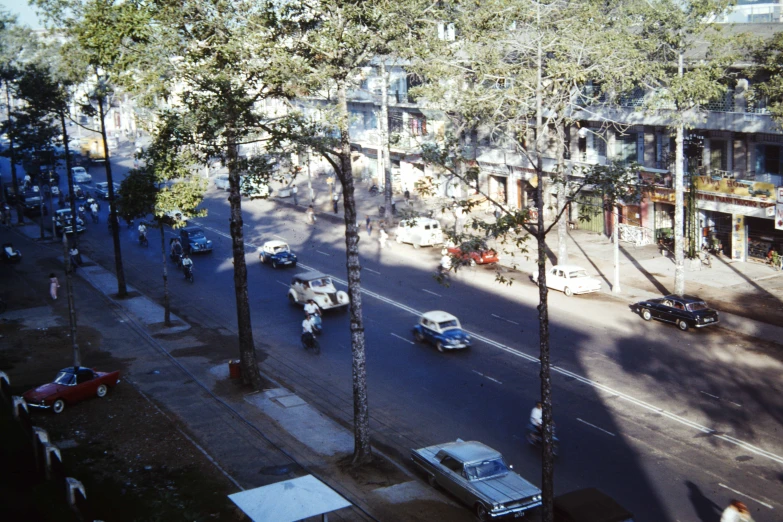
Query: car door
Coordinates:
[429,332]
[555,279]
[452,479]
[86,384]
[666,310]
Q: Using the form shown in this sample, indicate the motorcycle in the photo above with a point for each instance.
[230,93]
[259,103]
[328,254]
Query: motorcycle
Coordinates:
[11,254]
[317,324]
[309,342]
[176,258]
[534,438]
[188,271]
[143,241]
[374,190]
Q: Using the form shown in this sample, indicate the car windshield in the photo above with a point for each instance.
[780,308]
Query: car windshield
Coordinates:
[279,249]
[486,469]
[196,234]
[64,378]
[448,324]
[318,283]
[695,307]
[577,273]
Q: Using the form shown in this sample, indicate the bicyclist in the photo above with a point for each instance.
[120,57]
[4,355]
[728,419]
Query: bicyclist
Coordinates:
[142,232]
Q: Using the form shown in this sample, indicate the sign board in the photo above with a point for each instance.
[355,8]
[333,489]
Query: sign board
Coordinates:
[779,216]
[735,187]
[780,194]
[738,246]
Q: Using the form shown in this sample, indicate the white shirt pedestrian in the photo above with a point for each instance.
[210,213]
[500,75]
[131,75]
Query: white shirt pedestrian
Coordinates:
[307,325]
[383,236]
[311,309]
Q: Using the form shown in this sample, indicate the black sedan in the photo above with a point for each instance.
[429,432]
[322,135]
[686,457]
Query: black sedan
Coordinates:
[685,311]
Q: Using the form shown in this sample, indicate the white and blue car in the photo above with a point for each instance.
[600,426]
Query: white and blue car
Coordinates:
[442,330]
[277,253]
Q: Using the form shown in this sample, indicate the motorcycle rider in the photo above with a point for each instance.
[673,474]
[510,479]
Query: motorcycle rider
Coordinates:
[176,251]
[142,232]
[308,339]
[94,211]
[536,418]
[187,264]
[311,310]
[445,264]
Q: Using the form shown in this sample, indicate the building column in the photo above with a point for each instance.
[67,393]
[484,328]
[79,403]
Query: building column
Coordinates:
[650,152]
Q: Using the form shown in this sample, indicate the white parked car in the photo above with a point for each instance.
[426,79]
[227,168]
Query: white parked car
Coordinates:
[569,279]
[420,232]
[319,288]
[80,175]
[221,182]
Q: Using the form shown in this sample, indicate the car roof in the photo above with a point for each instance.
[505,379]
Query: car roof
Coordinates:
[275,243]
[569,268]
[73,369]
[438,316]
[470,451]
[191,228]
[685,298]
[309,276]
[420,221]
[589,505]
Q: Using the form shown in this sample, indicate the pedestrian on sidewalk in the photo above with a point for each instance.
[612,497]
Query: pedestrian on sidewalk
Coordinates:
[335,199]
[407,195]
[736,512]
[295,191]
[383,236]
[310,215]
[54,284]
[369,226]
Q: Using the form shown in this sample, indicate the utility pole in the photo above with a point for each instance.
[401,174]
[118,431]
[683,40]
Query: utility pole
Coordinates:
[387,174]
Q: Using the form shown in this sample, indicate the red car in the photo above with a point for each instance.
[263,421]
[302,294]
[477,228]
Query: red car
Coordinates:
[72,385]
[476,257]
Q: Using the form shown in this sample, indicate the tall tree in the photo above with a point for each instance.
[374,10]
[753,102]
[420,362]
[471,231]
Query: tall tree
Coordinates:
[687,66]
[516,69]
[336,39]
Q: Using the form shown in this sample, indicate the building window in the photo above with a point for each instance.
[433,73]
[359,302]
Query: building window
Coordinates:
[418,125]
[625,148]
[769,159]
[395,121]
[718,156]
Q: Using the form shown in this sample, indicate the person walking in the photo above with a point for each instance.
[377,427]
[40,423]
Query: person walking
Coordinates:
[369,226]
[295,191]
[407,196]
[736,512]
[382,237]
[54,284]
[310,215]
[335,199]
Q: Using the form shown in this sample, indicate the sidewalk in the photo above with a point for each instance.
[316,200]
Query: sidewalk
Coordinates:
[749,295]
[253,439]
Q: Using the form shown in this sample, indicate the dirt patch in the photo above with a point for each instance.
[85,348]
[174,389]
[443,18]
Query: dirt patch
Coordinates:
[135,462]
[379,472]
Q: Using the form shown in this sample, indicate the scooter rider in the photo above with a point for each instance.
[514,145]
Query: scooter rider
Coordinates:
[176,251]
[311,310]
[187,264]
[142,232]
[308,339]
[536,417]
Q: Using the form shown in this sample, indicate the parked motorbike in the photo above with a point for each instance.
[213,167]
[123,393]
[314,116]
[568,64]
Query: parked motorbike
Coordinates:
[11,254]
[534,438]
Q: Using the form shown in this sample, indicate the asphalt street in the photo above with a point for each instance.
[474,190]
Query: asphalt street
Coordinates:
[672,424]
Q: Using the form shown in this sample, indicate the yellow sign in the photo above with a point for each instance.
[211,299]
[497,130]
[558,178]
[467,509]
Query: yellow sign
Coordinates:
[736,187]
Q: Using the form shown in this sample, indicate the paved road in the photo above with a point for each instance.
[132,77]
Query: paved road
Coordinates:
[672,424]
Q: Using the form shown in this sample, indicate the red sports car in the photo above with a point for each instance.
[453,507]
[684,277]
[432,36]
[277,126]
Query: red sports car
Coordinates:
[475,257]
[71,385]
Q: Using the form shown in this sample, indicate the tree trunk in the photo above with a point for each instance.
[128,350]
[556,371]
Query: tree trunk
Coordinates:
[71,194]
[547,456]
[616,241]
[385,142]
[122,289]
[562,196]
[362,452]
[679,246]
[166,300]
[247,350]
[12,156]
[77,356]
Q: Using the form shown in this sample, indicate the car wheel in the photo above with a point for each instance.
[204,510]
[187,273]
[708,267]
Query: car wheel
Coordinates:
[534,280]
[646,314]
[101,391]
[472,262]
[568,292]
[682,325]
[432,481]
[292,299]
[418,336]
[58,406]
[262,259]
[440,347]
[274,264]
[416,246]
[398,239]
[481,513]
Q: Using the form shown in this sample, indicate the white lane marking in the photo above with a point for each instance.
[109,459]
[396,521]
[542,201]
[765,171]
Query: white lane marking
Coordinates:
[284,284]
[596,427]
[433,293]
[718,398]
[746,496]
[487,377]
[371,270]
[504,319]
[323,253]
[403,338]
[562,371]
[278,237]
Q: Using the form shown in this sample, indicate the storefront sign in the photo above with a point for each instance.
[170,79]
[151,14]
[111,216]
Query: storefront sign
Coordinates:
[738,237]
[779,217]
[780,194]
[661,195]
[735,187]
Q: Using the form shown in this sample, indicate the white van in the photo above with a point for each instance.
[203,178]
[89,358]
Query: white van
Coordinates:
[420,232]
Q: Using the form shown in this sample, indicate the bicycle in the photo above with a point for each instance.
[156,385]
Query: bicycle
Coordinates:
[143,241]
[309,342]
